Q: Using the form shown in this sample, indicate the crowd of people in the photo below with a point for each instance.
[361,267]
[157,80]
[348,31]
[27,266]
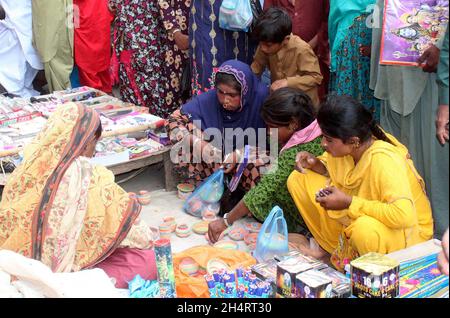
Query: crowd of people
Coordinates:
[362,156]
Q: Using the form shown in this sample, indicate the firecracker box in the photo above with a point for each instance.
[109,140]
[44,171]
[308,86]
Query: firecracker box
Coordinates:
[341,283]
[313,284]
[375,276]
[315,264]
[287,270]
[266,270]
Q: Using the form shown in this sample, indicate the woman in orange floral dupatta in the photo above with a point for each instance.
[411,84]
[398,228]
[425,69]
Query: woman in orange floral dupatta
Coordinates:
[59,208]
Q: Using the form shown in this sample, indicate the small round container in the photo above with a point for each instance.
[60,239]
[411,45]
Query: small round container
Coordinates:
[183,230]
[213,208]
[215,265]
[165,230]
[185,190]
[237,233]
[144,197]
[253,227]
[251,239]
[227,245]
[209,216]
[200,227]
[189,266]
[171,221]
[196,208]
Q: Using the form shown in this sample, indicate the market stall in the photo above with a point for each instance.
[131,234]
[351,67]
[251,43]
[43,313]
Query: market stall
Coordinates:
[132,138]
[250,260]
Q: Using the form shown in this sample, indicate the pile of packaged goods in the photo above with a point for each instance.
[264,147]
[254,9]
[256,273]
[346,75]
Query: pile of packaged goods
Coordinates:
[21,119]
[295,275]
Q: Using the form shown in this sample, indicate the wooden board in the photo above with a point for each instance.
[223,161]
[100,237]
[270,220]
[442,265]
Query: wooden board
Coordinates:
[137,163]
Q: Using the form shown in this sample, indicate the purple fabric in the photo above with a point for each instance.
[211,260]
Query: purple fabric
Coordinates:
[207,109]
[125,263]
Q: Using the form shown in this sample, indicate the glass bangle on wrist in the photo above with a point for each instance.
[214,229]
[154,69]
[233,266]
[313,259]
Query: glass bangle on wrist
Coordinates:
[225,220]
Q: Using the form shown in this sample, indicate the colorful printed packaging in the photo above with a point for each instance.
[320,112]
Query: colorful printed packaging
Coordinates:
[267,271]
[316,264]
[287,271]
[164,265]
[375,276]
[313,284]
[341,283]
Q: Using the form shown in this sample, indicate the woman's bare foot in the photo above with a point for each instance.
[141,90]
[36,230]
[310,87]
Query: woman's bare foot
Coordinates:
[309,247]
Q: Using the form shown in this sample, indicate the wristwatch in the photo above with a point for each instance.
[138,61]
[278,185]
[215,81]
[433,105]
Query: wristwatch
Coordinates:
[225,220]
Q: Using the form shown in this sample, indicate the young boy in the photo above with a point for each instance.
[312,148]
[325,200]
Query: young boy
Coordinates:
[291,60]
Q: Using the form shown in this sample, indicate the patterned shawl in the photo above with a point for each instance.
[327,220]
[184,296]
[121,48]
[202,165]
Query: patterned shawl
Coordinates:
[57,207]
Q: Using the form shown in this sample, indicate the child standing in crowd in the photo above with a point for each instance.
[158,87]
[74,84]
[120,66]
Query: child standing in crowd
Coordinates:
[310,23]
[291,60]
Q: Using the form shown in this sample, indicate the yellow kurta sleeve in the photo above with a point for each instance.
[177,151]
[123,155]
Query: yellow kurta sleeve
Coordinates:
[389,181]
[260,62]
[309,75]
[323,158]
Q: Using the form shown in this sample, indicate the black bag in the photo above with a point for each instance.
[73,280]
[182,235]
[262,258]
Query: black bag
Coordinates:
[185,84]
[257,10]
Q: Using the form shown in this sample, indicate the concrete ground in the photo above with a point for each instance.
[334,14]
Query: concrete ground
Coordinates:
[164,204]
[151,179]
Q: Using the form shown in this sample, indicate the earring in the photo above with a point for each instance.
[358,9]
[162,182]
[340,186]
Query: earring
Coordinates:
[357,144]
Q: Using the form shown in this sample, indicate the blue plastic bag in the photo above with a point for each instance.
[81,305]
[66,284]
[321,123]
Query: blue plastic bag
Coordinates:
[235,15]
[207,196]
[273,236]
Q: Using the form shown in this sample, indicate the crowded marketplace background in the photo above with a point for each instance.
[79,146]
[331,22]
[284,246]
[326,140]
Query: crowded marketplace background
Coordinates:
[313,131]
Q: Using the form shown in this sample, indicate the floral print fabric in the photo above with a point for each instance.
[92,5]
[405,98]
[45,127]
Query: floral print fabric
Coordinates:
[140,47]
[353,69]
[175,15]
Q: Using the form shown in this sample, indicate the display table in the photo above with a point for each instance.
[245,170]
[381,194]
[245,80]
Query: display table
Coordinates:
[157,157]
[162,156]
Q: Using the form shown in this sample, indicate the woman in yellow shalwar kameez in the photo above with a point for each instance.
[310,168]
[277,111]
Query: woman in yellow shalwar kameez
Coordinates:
[364,193]
[59,208]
